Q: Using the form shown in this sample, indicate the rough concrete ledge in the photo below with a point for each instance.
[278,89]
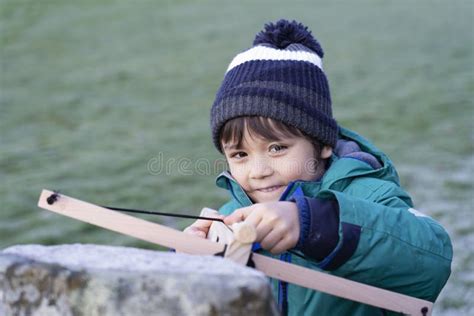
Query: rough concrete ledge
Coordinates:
[103,280]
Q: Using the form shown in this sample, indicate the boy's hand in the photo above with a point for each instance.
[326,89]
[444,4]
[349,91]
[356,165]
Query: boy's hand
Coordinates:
[200,228]
[277,224]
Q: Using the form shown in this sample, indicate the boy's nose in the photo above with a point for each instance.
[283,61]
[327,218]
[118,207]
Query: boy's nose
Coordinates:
[261,168]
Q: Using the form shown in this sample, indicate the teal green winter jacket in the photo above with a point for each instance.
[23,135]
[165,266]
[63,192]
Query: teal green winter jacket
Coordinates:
[358,223]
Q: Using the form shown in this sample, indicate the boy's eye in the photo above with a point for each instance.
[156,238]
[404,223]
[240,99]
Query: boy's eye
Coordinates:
[238,154]
[276,148]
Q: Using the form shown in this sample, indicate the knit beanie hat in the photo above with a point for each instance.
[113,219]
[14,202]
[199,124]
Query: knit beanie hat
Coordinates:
[281,77]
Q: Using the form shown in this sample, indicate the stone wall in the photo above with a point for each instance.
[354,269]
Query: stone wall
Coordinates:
[104,280]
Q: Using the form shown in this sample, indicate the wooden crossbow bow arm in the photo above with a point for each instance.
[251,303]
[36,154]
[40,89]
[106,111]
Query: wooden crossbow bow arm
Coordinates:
[291,273]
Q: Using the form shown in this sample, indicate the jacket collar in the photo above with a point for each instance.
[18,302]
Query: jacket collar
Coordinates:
[226,181]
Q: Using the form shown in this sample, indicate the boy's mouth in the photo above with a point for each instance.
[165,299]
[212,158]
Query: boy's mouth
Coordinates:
[270,189]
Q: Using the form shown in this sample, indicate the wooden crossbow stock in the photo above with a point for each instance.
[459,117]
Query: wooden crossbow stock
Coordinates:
[234,244]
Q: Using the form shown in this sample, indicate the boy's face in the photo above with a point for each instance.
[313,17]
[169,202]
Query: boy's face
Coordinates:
[264,168]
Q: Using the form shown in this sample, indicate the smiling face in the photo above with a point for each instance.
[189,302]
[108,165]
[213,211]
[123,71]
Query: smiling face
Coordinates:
[264,167]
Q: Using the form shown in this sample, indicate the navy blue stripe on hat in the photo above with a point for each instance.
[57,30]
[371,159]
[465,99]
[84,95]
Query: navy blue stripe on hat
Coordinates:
[278,96]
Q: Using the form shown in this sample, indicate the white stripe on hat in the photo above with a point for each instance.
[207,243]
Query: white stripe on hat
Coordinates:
[268,53]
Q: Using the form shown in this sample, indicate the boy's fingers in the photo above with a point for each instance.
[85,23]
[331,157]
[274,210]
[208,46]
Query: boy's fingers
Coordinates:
[271,240]
[280,247]
[200,234]
[205,223]
[262,231]
[201,224]
[195,231]
[189,229]
[238,216]
[255,219]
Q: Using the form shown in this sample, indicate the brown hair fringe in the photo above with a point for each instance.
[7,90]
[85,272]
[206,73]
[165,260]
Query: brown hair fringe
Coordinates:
[262,127]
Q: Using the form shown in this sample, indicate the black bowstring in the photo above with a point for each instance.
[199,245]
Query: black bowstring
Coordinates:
[55,196]
[121,209]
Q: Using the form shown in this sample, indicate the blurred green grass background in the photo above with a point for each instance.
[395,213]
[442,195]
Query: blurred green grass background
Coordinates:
[92,91]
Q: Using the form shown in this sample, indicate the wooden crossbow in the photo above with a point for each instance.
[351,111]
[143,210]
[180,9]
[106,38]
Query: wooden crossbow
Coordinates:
[235,244]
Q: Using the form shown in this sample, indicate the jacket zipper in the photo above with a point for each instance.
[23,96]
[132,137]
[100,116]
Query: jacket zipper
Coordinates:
[286,257]
[283,289]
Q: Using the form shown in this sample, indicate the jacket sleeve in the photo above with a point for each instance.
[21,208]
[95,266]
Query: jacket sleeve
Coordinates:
[376,239]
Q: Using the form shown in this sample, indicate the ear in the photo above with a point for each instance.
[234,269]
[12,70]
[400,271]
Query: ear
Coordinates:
[326,152]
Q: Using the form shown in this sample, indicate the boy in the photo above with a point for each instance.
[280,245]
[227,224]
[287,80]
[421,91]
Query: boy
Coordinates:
[319,195]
